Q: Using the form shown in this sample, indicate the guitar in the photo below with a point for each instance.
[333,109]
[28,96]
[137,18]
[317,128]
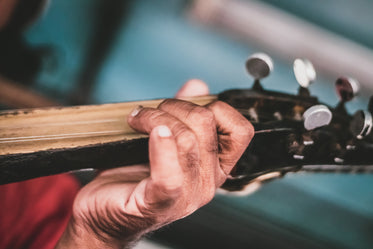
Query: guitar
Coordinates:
[292,133]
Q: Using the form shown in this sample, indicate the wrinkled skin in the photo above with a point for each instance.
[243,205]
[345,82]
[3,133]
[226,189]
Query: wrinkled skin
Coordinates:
[192,150]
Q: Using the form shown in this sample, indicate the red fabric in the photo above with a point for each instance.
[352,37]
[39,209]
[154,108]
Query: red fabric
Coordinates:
[34,213]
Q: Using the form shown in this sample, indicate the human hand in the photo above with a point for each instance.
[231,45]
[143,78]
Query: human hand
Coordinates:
[192,150]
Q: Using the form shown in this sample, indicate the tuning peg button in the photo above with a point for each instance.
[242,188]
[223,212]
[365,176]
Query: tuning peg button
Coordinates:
[347,88]
[259,65]
[361,124]
[317,116]
[304,72]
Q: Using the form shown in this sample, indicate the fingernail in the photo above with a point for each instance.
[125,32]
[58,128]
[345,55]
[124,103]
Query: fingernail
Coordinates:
[164,131]
[136,111]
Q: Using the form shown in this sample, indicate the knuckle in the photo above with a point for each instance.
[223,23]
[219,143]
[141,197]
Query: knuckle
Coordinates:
[191,112]
[186,138]
[189,151]
[244,131]
[146,115]
[167,102]
[169,189]
[152,114]
[202,116]
[217,105]
[162,196]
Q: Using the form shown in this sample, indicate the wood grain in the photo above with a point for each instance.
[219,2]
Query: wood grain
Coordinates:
[32,130]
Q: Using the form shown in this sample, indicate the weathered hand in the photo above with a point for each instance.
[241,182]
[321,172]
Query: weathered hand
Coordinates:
[192,149]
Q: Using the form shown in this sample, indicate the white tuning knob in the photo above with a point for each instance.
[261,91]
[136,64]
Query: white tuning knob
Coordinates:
[347,88]
[304,72]
[317,116]
[259,65]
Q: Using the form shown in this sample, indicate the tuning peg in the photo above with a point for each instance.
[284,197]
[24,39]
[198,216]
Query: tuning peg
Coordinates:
[305,75]
[304,72]
[347,88]
[317,116]
[259,66]
[361,124]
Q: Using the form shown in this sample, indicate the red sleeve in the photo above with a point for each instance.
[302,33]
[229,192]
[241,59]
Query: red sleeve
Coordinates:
[34,213]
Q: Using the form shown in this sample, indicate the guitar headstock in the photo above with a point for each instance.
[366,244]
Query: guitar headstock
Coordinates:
[298,132]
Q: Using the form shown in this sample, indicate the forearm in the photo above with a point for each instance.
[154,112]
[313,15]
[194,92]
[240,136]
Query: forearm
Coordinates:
[6,9]
[82,238]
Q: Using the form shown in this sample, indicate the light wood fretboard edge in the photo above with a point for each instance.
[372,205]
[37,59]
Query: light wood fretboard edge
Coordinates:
[51,128]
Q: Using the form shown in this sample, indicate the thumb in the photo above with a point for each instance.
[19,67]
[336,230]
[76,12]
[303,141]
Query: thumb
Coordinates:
[166,174]
[193,88]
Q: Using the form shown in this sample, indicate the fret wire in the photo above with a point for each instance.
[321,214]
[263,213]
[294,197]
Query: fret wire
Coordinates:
[60,136]
[69,123]
[89,134]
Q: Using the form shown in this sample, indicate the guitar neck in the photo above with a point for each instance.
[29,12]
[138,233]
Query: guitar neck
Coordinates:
[38,142]
[41,142]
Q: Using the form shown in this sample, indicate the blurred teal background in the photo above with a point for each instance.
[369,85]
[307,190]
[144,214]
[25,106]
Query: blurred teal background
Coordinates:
[156,48]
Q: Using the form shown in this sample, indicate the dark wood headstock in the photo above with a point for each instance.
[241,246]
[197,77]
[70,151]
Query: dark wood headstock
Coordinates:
[284,143]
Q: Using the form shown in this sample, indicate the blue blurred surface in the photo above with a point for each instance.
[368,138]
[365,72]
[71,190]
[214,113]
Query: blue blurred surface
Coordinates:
[158,49]
[351,19]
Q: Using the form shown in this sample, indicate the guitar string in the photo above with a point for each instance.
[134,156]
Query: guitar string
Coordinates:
[66,123]
[61,136]
[64,136]
[337,168]
[90,134]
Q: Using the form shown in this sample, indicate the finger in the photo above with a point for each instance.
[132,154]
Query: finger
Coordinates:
[202,122]
[159,191]
[133,173]
[166,177]
[234,134]
[193,88]
[146,119]
[164,164]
